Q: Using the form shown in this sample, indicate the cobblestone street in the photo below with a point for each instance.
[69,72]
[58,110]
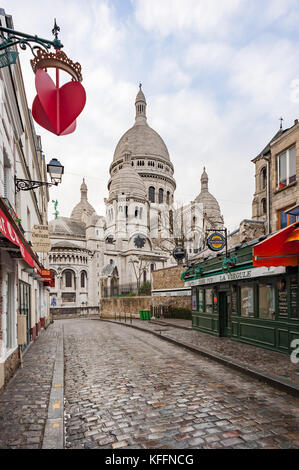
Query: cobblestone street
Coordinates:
[125,388]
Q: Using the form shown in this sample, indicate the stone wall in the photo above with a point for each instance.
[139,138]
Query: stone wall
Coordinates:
[168,278]
[73,312]
[174,301]
[112,305]
[11,365]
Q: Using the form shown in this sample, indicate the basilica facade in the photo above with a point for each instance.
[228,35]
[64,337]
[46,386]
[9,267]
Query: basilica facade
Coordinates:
[94,256]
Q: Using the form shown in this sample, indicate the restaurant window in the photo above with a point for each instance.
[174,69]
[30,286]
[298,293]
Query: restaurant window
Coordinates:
[209,300]
[200,300]
[282,294]
[194,299]
[294,297]
[247,304]
[286,167]
[266,301]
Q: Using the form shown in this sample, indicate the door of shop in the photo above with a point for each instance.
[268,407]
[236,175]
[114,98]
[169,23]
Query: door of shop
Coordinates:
[24,296]
[224,313]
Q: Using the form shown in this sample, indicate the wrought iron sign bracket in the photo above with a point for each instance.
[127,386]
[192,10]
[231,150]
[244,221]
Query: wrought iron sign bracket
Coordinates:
[24,40]
[27,185]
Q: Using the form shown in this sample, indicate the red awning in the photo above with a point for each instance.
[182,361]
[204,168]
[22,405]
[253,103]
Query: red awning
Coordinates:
[10,233]
[280,249]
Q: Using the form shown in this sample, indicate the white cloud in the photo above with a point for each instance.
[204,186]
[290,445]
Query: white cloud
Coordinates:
[263,72]
[167,72]
[210,54]
[171,16]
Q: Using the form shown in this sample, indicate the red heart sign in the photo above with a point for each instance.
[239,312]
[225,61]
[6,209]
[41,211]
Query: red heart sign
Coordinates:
[56,109]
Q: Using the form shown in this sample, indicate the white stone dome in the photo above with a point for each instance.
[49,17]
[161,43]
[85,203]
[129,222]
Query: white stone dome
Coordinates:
[141,139]
[128,182]
[83,207]
[210,204]
[66,226]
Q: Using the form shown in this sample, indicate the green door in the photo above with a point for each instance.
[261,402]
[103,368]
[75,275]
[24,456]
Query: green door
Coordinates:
[224,313]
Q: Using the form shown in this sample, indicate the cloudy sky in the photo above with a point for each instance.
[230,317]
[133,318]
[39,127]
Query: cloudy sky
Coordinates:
[217,76]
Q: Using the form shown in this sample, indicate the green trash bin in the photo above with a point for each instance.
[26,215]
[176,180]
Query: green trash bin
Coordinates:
[141,314]
[148,314]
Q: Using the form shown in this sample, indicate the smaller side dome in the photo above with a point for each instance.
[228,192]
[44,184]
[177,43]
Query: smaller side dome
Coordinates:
[83,207]
[210,204]
[128,182]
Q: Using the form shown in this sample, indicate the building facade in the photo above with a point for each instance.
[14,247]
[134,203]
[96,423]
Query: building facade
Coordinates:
[276,176]
[252,295]
[24,298]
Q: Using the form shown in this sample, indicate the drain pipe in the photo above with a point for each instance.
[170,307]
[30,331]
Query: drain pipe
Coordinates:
[268,193]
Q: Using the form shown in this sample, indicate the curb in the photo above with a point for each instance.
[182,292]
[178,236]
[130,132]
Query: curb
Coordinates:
[165,323]
[279,383]
[54,429]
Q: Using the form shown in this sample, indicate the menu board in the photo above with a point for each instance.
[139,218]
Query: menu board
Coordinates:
[282,302]
[294,299]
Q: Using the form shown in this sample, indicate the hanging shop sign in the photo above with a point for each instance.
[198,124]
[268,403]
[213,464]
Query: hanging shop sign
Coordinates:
[40,239]
[216,241]
[10,233]
[48,277]
[55,108]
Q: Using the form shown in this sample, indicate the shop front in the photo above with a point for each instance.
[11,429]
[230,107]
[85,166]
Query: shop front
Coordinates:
[22,294]
[254,305]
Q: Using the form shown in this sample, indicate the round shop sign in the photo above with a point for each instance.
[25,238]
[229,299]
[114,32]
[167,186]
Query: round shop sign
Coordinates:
[216,241]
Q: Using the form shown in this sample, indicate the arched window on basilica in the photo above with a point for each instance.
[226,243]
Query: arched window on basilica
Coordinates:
[69,278]
[161,196]
[151,194]
[83,278]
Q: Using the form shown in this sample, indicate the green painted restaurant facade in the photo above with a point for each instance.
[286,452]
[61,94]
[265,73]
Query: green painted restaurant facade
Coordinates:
[254,305]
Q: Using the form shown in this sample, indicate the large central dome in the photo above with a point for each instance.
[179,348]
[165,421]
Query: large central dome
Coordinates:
[147,161]
[141,139]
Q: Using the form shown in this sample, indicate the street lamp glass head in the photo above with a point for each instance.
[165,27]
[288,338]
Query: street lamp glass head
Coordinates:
[55,170]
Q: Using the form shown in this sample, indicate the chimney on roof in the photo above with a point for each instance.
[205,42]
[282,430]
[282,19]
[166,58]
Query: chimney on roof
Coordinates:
[295,122]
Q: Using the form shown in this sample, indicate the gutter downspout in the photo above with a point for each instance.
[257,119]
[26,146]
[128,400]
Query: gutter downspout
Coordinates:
[268,193]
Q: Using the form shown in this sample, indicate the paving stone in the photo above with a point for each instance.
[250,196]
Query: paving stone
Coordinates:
[127,389]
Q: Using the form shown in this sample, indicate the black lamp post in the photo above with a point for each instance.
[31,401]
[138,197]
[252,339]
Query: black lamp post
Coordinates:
[55,170]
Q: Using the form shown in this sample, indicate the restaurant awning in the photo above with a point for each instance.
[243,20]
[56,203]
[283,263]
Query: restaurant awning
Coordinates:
[280,249]
[13,237]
